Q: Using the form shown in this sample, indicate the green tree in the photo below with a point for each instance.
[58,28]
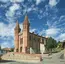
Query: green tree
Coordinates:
[12,50]
[0,47]
[59,46]
[51,43]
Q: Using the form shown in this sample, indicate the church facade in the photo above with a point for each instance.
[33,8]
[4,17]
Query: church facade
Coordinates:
[27,42]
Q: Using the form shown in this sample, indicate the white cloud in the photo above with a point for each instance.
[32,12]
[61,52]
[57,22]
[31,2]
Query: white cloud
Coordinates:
[7,44]
[53,2]
[32,30]
[29,9]
[3,6]
[5,1]
[17,0]
[10,14]
[61,37]
[6,30]
[7,34]
[52,32]
[21,26]
[12,9]
[42,32]
[39,1]
[62,18]
[26,10]
[48,24]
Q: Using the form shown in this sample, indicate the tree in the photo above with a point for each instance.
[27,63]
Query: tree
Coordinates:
[59,46]
[12,50]
[51,43]
[63,45]
[0,47]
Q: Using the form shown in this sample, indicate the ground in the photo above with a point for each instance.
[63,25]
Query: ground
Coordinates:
[53,59]
[45,61]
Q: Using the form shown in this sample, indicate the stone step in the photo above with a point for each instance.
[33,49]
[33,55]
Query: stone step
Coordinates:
[21,57]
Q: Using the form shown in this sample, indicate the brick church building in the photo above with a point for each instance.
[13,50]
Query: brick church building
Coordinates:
[26,41]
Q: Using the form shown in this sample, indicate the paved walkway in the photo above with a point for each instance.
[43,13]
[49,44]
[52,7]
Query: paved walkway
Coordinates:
[45,61]
[57,58]
[13,62]
[53,61]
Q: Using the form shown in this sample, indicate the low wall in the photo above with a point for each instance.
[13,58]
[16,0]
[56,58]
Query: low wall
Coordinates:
[21,57]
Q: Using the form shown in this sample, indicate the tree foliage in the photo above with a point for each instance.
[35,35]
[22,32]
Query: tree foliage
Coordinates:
[0,47]
[51,43]
[59,45]
[12,50]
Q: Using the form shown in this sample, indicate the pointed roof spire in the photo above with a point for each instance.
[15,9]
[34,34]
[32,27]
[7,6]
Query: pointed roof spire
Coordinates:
[26,20]
[17,25]
[26,16]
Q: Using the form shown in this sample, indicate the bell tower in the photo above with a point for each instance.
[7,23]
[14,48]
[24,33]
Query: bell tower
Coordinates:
[16,32]
[26,24]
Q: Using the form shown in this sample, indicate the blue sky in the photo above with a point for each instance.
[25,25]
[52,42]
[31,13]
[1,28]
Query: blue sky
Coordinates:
[46,17]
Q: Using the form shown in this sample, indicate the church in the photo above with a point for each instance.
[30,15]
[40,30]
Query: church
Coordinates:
[27,42]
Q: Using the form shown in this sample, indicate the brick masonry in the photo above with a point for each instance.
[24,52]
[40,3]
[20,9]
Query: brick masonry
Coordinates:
[21,57]
[26,41]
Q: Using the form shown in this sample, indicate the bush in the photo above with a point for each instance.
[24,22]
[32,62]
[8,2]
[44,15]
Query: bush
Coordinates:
[0,57]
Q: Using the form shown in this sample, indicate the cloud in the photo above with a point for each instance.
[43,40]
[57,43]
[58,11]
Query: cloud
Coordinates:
[62,18]
[53,2]
[12,9]
[17,0]
[32,30]
[7,44]
[6,30]
[56,27]
[7,34]
[5,1]
[52,32]
[3,6]
[10,14]
[61,37]
[42,32]
[29,9]
[39,1]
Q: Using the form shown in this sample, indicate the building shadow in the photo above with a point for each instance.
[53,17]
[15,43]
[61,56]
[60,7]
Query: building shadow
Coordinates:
[5,61]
